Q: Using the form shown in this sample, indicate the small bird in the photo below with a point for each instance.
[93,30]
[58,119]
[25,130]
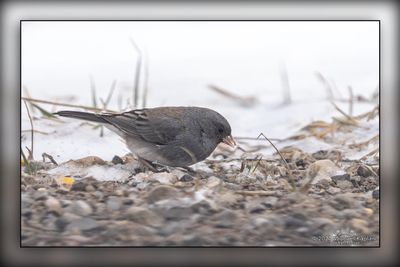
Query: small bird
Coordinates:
[170,136]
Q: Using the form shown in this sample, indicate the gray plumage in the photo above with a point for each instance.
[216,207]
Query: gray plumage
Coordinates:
[172,136]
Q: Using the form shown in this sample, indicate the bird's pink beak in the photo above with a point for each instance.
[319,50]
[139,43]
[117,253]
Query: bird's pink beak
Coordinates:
[229,141]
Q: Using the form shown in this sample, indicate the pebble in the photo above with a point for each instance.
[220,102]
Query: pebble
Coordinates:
[360,225]
[79,186]
[177,213]
[164,178]
[113,203]
[340,177]
[54,205]
[344,184]
[186,178]
[375,194]
[162,192]
[364,171]
[81,208]
[40,195]
[213,182]
[322,169]
[226,219]
[117,160]
[83,224]
[144,216]
[333,190]
[204,207]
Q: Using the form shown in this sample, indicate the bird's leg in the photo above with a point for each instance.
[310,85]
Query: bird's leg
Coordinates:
[146,165]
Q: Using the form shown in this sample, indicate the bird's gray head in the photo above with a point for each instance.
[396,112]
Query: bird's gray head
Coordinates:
[218,126]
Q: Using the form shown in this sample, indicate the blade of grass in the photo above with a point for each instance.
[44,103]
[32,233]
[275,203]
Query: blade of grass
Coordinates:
[32,129]
[135,96]
[284,161]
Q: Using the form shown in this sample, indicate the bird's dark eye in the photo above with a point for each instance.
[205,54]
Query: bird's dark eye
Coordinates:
[220,130]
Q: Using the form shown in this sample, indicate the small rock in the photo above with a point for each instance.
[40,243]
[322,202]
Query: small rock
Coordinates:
[144,216]
[364,171]
[177,213]
[322,169]
[117,160]
[341,202]
[333,190]
[340,177]
[226,219]
[204,207]
[367,211]
[161,192]
[65,219]
[79,186]
[81,208]
[186,178]
[360,225]
[295,221]
[213,182]
[164,177]
[83,224]
[344,184]
[40,195]
[53,205]
[375,194]
[113,203]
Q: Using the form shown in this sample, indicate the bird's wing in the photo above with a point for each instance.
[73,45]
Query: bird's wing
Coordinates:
[156,126]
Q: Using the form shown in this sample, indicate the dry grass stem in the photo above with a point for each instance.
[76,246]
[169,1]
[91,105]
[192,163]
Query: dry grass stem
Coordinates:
[284,161]
[30,157]
[135,96]
[244,101]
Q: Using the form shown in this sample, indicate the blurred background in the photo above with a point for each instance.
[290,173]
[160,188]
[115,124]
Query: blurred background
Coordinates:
[263,76]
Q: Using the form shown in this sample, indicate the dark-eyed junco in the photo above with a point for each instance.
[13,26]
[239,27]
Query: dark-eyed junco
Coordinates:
[171,136]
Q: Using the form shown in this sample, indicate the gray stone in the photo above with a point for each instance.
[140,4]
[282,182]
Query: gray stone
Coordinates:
[144,216]
[81,208]
[340,177]
[186,178]
[113,203]
[364,171]
[226,219]
[375,194]
[54,205]
[83,224]
[161,192]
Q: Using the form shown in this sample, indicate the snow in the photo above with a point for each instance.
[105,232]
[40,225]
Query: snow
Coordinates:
[184,58]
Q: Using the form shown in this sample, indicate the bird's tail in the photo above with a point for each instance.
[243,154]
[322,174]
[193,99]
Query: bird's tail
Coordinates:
[81,115]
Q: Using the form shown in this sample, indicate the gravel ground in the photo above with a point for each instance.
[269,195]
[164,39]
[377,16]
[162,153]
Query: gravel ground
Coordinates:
[221,203]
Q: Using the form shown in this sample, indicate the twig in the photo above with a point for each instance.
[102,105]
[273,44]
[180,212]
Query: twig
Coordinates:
[26,162]
[137,74]
[351,101]
[36,131]
[45,155]
[283,159]
[93,90]
[30,120]
[326,84]
[27,94]
[350,118]
[66,105]
[285,85]
[146,80]
[244,101]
